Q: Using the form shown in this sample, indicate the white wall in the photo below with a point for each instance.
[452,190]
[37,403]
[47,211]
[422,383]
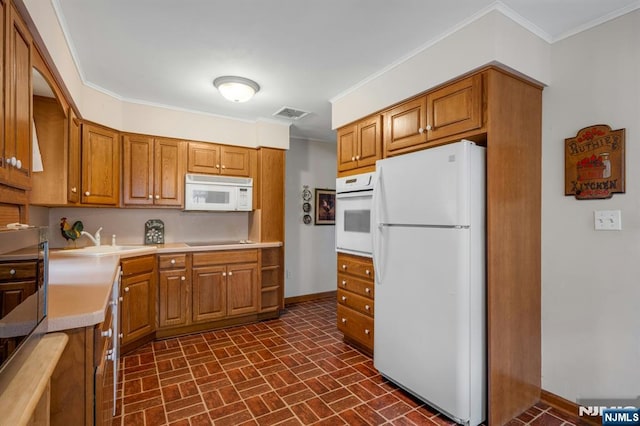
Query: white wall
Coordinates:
[128,224]
[126,116]
[591,279]
[310,256]
[492,37]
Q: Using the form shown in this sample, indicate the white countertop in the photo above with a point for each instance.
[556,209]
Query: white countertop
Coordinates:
[80,285]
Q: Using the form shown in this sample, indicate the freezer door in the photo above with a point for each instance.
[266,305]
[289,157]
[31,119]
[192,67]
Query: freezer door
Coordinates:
[430,187]
[426,312]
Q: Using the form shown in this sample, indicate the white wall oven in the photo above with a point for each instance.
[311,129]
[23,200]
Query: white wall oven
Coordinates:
[353,214]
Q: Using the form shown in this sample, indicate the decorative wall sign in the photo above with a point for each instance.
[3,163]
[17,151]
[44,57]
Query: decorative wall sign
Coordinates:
[325,206]
[306,206]
[594,163]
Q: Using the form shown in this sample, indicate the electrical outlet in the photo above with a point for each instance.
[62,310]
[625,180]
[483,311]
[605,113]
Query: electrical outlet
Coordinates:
[288,273]
[608,220]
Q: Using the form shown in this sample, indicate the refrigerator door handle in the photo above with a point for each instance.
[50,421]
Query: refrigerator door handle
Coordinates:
[376,227]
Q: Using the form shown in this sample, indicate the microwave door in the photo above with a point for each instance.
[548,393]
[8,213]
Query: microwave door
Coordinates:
[212,197]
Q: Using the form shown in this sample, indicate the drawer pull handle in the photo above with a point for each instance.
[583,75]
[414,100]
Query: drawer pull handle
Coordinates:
[367,307]
[344,298]
[367,290]
[126,289]
[344,266]
[344,320]
[12,272]
[344,283]
[368,272]
[87,193]
[107,333]
[367,332]
[173,261]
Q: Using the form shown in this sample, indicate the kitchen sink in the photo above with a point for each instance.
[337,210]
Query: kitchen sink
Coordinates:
[103,250]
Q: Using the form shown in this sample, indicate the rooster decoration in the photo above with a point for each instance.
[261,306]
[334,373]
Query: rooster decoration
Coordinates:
[70,232]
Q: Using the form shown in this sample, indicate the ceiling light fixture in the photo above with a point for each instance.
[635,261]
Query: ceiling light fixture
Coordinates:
[236,89]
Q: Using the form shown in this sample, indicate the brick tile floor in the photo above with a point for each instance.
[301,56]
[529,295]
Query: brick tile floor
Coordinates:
[291,371]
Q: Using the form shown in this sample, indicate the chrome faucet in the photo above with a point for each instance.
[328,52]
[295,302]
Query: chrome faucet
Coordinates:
[95,239]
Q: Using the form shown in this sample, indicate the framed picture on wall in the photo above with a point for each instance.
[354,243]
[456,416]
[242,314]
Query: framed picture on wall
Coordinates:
[325,212]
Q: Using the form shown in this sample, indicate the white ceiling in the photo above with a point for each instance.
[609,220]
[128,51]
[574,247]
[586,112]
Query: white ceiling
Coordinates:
[301,52]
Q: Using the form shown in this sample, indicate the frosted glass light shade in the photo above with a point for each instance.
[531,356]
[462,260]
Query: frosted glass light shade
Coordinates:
[236,89]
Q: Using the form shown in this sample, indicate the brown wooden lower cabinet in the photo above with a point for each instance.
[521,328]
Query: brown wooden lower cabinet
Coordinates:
[355,300]
[138,300]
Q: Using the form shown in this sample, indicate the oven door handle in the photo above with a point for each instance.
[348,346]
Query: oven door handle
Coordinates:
[364,194]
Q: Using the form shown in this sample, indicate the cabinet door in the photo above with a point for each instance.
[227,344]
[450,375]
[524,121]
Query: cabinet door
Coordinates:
[100,165]
[203,158]
[347,147]
[138,306]
[168,173]
[242,289]
[13,294]
[369,141]
[18,102]
[234,161]
[137,173]
[73,172]
[405,125]
[456,108]
[209,293]
[173,296]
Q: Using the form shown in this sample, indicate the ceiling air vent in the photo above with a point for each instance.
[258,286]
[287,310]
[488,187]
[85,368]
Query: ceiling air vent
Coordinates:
[290,113]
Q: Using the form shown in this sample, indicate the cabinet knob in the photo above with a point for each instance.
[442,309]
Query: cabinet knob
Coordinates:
[344,320]
[18,164]
[367,307]
[183,278]
[224,274]
[107,333]
[223,166]
[367,332]
[344,283]
[157,197]
[353,158]
[429,127]
[74,189]
[13,161]
[357,157]
[12,272]
[367,290]
[344,266]
[217,166]
[87,193]
[230,273]
[344,298]
[420,130]
[126,289]
[121,335]
[173,261]
[120,298]
[368,272]
[150,196]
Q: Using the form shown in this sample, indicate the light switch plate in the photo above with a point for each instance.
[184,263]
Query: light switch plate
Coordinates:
[608,220]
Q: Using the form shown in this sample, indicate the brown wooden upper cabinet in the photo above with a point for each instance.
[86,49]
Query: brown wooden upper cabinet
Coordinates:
[100,148]
[153,171]
[216,159]
[448,112]
[360,144]
[16,152]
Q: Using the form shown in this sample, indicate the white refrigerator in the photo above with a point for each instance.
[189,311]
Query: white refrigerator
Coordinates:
[428,220]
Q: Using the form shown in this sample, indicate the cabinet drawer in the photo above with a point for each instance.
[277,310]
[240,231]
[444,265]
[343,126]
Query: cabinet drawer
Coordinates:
[177,260]
[17,271]
[359,266]
[225,257]
[356,326]
[137,265]
[356,285]
[359,303]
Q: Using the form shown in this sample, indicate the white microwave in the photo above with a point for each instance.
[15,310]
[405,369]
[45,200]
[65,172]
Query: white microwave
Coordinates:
[218,193]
